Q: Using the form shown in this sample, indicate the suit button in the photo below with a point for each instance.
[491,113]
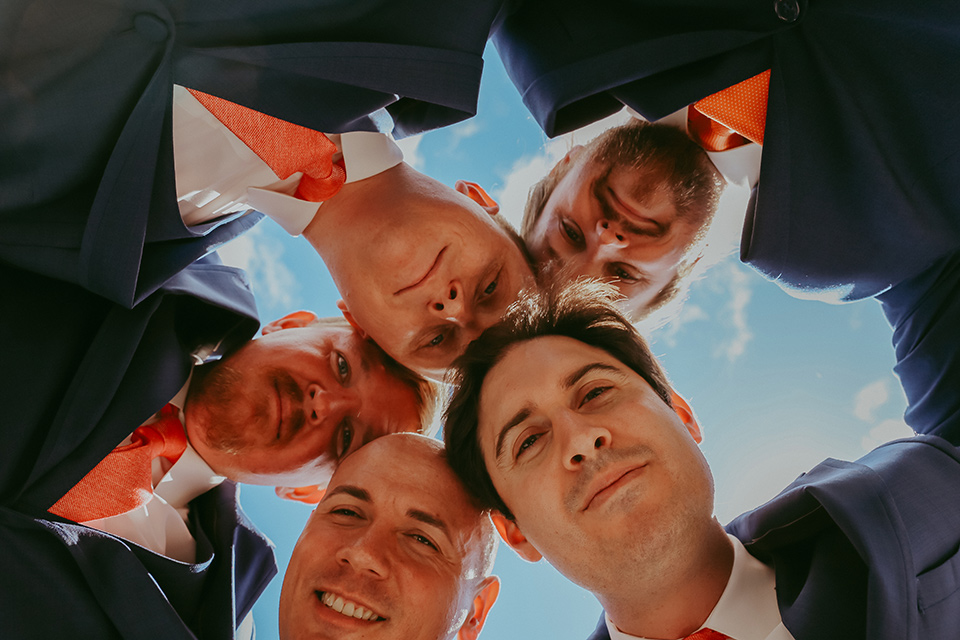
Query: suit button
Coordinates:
[787,10]
[151,27]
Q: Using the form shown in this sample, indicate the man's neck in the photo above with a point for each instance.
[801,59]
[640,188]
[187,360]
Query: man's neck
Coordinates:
[673,603]
[339,226]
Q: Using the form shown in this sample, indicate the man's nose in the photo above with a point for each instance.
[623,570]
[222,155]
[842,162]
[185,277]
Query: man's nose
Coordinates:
[321,403]
[449,304]
[610,233]
[366,553]
[583,440]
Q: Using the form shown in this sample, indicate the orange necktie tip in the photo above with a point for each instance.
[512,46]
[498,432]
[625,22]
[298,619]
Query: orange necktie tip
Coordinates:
[732,117]
[123,480]
[707,634]
[285,147]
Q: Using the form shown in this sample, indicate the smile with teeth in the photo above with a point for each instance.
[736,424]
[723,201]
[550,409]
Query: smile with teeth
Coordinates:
[346,607]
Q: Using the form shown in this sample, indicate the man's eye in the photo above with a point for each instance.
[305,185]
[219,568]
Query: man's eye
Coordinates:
[572,232]
[346,439]
[424,540]
[527,443]
[345,511]
[437,340]
[343,368]
[491,287]
[593,394]
[621,274]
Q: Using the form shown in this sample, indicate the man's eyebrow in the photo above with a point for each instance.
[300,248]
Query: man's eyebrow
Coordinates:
[575,377]
[350,490]
[520,416]
[427,518]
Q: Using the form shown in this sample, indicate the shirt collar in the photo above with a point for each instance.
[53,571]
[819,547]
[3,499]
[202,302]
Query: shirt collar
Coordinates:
[739,166]
[747,609]
[191,476]
[367,153]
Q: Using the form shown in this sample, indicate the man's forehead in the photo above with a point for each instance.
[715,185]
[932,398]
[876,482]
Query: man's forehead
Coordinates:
[566,356]
[407,469]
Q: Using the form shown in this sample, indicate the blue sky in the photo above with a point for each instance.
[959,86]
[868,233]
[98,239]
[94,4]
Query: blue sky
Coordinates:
[778,384]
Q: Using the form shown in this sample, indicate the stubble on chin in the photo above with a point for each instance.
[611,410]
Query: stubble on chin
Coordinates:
[212,392]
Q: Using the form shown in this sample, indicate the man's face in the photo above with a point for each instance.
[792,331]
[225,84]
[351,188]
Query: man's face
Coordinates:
[603,221]
[288,406]
[392,550]
[595,466]
[438,271]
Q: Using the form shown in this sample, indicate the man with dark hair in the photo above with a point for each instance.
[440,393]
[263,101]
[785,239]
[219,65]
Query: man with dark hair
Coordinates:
[564,423]
[396,550]
[632,207]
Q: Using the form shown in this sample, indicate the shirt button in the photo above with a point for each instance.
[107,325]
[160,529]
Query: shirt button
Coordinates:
[787,10]
[151,27]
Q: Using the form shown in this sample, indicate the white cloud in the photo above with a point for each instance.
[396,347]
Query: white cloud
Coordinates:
[464,130]
[260,256]
[869,399]
[411,151]
[689,313]
[739,292]
[885,432]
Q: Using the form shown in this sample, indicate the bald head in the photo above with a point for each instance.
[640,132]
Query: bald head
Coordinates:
[396,549]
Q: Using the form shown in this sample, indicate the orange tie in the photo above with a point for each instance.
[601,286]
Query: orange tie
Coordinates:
[285,147]
[707,634]
[732,117]
[123,480]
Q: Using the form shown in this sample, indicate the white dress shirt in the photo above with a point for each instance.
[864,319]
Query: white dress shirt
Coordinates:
[219,178]
[747,609]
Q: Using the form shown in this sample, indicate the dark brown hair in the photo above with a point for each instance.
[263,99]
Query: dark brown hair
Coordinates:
[584,310]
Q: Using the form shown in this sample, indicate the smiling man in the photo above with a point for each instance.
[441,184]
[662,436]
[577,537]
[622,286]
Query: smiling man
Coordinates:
[395,550]
[564,422]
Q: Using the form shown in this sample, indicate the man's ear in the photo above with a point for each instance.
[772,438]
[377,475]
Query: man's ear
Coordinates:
[311,494]
[685,411]
[482,603]
[512,535]
[350,319]
[290,321]
[476,193]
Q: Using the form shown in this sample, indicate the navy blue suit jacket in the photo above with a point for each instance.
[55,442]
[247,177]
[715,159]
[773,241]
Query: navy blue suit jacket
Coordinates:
[87,186]
[865,549]
[80,373]
[858,187]
[872,549]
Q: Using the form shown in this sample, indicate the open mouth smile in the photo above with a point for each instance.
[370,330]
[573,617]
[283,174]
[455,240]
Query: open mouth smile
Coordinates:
[347,607]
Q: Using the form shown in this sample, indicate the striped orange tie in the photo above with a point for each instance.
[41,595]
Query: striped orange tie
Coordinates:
[123,480]
[707,634]
[732,117]
[285,147]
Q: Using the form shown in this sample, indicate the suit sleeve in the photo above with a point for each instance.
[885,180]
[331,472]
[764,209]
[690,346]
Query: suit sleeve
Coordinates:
[924,312]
